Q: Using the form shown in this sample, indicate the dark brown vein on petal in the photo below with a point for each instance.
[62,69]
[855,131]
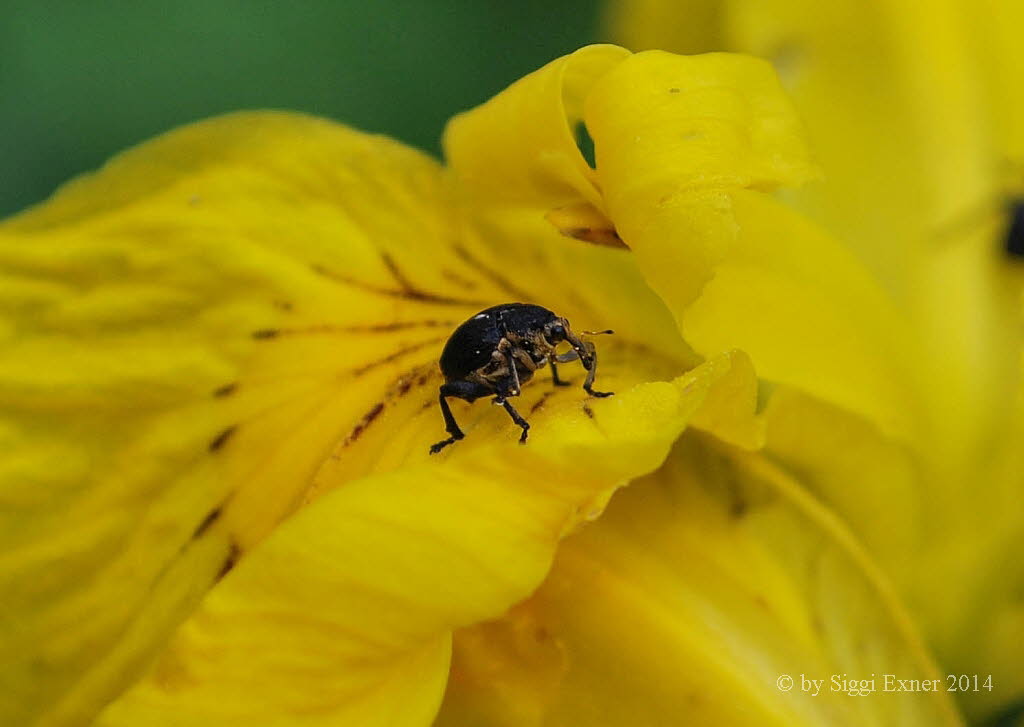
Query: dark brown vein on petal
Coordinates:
[210,519]
[328,328]
[225,390]
[366,420]
[460,280]
[494,276]
[416,377]
[396,273]
[541,401]
[413,348]
[605,237]
[414,294]
[221,439]
[230,560]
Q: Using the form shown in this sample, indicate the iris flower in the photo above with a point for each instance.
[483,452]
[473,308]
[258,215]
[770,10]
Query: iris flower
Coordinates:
[219,384]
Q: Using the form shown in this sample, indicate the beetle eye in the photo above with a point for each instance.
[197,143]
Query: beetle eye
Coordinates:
[556,333]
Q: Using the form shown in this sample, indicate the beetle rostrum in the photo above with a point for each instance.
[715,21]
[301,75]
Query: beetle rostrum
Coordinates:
[498,350]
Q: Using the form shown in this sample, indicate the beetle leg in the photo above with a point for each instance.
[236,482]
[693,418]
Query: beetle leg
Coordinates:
[554,374]
[509,350]
[517,387]
[588,383]
[516,417]
[462,390]
[524,358]
[591,372]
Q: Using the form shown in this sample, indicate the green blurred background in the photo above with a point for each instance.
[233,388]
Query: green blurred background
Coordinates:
[81,81]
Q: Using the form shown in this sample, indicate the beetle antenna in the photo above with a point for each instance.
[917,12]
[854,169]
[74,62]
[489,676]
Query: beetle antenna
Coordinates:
[598,333]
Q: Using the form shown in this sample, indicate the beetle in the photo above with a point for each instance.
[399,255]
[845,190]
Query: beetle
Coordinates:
[498,350]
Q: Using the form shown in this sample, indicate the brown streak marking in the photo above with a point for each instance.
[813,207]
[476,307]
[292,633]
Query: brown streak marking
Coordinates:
[454,277]
[541,401]
[604,237]
[359,371]
[403,282]
[404,384]
[417,295]
[210,519]
[234,553]
[267,333]
[494,276]
[226,390]
[417,376]
[366,421]
[399,326]
[284,305]
[219,441]
[610,231]
[588,411]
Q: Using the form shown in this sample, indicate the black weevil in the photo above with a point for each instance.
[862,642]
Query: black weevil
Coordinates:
[498,350]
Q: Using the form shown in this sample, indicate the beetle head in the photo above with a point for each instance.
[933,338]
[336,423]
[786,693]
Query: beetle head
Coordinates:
[557,331]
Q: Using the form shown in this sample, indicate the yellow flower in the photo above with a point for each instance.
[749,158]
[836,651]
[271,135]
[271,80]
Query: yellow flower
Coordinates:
[219,383]
[915,113]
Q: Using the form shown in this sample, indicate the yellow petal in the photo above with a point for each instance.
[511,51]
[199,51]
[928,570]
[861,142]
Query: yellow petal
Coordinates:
[700,587]
[716,120]
[194,328]
[729,412]
[352,600]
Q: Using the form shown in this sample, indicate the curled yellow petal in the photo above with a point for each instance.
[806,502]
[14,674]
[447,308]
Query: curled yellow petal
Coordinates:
[537,161]
[779,289]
